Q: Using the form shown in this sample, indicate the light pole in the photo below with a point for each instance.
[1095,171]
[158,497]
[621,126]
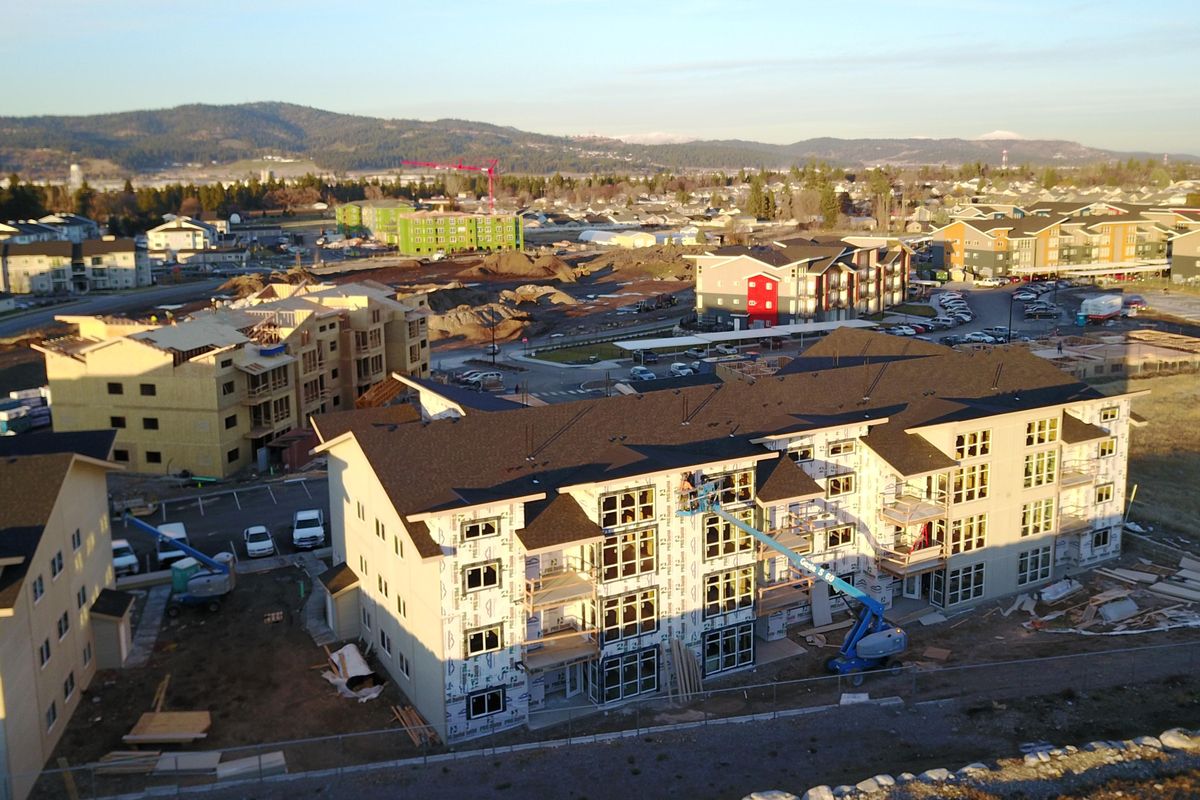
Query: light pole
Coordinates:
[1011,299]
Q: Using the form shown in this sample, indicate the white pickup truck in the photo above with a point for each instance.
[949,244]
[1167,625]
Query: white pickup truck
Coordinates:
[308,529]
[166,552]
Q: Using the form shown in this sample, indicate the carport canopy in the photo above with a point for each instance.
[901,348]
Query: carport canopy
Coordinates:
[754,334]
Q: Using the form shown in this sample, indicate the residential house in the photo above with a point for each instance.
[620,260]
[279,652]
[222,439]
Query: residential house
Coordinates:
[181,233]
[506,563]
[62,266]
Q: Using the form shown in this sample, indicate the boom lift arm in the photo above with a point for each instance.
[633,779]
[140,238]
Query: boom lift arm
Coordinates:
[145,527]
[871,642]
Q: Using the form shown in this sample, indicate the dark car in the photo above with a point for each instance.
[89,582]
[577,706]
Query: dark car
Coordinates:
[645,356]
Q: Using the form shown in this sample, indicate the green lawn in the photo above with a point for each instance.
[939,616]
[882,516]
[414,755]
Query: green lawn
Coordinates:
[604,351]
[913,310]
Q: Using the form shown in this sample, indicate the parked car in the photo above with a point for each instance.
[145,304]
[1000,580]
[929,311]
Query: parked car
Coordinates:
[165,552]
[963,317]
[903,330]
[979,337]
[997,331]
[1024,297]
[308,529]
[258,541]
[492,349]
[680,370]
[125,560]
[645,356]
[695,352]
[727,350]
[641,374]
[1134,301]
[944,321]
[951,340]
[771,342]
[989,282]
[1041,313]
[484,378]
[465,377]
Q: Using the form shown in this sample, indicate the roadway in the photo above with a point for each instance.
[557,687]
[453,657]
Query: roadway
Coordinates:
[116,303]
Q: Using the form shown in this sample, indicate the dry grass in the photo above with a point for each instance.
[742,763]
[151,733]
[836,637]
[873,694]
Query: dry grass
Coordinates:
[1164,458]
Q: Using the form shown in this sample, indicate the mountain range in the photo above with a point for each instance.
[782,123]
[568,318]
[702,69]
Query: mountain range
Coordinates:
[148,141]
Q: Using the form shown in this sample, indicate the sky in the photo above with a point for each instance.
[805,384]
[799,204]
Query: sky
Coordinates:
[1117,74]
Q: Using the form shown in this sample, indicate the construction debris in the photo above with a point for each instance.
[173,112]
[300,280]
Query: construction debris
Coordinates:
[1118,610]
[351,676]
[169,727]
[127,762]
[201,762]
[259,766]
[1060,590]
[940,654]
[415,726]
[688,678]
[933,618]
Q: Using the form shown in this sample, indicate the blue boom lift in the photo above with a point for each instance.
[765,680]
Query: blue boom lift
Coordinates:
[202,582]
[872,641]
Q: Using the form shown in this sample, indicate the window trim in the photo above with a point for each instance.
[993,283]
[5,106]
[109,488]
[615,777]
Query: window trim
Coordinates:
[734,591]
[484,694]
[482,566]
[484,648]
[736,632]
[480,524]
[1034,567]
[621,566]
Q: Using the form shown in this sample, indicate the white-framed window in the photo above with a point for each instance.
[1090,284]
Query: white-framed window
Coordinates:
[1109,413]
[51,715]
[734,487]
[56,564]
[385,641]
[965,534]
[481,576]
[484,640]
[38,587]
[403,665]
[628,675]
[728,591]
[1104,493]
[973,444]
[362,565]
[76,540]
[729,648]
[1101,538]
[800,452]
[963,584]
[480,529]
[69,685]
[628,615]
[629,553]
[64,625]
[486,703]
[366,618]
[380,529]
[1033,565]
[87,654]
[839,535]
[723,538]
[81,597]
[397,545]
[1106,448]
[1041,431]
[382,585]
[44,652]
[626,508]
[1037,517]
[1040,468]
[970,483]
[842,448]
[401,606]
[838,485]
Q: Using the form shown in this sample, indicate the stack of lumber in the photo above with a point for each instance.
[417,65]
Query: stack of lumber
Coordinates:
[415,726]
[1183,585]
[127,762]
[688,679]
[169,727]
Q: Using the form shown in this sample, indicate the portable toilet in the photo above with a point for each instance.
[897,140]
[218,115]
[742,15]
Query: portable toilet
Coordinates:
[181,572]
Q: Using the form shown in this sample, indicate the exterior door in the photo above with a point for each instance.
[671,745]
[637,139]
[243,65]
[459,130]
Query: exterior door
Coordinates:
[574,680]
[912,587]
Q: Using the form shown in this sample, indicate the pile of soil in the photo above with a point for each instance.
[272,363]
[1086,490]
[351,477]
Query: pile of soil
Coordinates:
[513,264]
[454,294]
[538,295]
[664,262]
[475,324]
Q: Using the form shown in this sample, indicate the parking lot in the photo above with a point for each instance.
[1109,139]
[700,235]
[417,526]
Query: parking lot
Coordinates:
[215,521]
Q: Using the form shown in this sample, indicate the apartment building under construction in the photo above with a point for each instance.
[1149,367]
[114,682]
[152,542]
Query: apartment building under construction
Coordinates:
[505,562]
[215,393]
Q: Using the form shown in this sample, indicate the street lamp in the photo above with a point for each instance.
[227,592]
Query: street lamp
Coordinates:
[1012,297]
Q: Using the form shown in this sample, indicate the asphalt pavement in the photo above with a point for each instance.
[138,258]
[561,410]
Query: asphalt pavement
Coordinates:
[116,303]
[215,522]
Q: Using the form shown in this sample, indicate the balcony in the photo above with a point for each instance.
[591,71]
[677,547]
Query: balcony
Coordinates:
[256,394]
[793,531]
[790,589]
[561,646]
[1074,523]
[1078,473]
[565,584]
[906,559]
[909,509]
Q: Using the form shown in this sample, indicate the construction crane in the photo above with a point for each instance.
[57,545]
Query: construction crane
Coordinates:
[872,641]
[489,170]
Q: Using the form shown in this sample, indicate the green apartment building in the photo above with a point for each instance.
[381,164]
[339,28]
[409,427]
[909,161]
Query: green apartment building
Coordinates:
[420,232]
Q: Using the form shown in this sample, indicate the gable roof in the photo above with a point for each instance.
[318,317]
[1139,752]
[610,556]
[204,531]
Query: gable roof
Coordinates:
[338,578]
[1076,431]
[783,479]
[557,522]
[492,456]
[36,480]
[93,444]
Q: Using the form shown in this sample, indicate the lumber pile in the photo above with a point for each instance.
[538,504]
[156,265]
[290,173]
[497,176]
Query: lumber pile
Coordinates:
[169,727]
[128,762]
[688,678]
[420,731]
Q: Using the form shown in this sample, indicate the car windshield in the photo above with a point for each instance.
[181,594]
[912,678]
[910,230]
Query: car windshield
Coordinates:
[258,536]
[308,523]
[121,551]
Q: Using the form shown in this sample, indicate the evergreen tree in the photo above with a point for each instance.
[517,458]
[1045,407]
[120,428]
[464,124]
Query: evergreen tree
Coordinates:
[830,207]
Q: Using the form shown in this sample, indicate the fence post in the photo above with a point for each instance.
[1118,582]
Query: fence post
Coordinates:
[637,719]
[92,778]
[774,701]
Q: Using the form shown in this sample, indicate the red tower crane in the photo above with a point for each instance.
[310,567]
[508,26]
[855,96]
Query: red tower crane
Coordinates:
[489,170]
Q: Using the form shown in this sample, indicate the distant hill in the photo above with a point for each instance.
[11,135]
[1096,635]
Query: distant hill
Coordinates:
[143,141]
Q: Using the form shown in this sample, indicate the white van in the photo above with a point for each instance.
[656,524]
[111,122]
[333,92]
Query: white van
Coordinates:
[125,560]
[164,551]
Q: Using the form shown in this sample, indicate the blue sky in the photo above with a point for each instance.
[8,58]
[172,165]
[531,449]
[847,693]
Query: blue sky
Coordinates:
[1119,73]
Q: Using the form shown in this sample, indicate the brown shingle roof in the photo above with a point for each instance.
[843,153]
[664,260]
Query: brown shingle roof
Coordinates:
[907,453]
[426,546]
[850,376]
[112,603]
[36,480]
[1076,431]
[338,578]
[556,522]
[782,479]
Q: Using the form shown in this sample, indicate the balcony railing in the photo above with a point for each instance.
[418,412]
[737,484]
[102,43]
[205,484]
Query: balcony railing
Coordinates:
[561,646]
[1078,473]
[908,559]
[789,589]
[255,394]
[570,581]
[1074,523]
[908,509]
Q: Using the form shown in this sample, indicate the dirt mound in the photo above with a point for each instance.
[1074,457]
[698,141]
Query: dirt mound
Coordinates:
[242,285]
[531,293]
[442,299]
[474,324]
[519,265]
[661,262]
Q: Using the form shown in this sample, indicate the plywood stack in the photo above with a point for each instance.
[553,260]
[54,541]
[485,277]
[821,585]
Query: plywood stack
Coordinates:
[1183,585]
[421,733]
[688,679]
[128,762]
[169,727]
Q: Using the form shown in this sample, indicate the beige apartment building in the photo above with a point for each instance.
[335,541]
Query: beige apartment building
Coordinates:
[55,574]
[507,562]
[209,394]
[73,267]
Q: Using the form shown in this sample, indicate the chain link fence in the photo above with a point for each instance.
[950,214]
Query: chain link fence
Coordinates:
[173,773]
